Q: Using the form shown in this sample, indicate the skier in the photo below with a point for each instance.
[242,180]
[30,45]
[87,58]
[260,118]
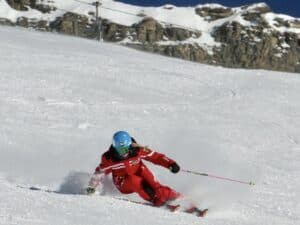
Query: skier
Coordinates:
[124,159]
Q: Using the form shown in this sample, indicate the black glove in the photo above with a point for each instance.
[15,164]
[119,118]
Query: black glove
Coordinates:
[90,190]
[174,168]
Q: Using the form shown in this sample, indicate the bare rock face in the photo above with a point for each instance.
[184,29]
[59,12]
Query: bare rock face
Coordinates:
[259,8]
[21,5]
[36,24]
[149,30]
[24,5]
[73,24]
[116,32]
[179,34]
[214,13]
[295,24]
[257,48]
[6,22]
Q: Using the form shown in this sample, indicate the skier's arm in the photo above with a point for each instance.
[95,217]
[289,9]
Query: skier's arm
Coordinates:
[159,159]
[95,181]
[97,178]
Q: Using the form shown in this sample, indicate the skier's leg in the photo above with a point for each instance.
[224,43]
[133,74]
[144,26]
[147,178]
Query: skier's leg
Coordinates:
[149,178]
[165,194]
[135,184]
[162,193]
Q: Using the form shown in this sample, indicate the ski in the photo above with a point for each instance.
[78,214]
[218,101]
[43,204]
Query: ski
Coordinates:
[172,207]
[193,210]
[168,206]
[36,188]
[198,212]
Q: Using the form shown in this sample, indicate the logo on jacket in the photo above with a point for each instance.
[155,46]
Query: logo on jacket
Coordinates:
[134,162]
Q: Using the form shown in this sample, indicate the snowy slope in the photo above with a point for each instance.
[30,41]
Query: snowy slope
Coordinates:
[62,98]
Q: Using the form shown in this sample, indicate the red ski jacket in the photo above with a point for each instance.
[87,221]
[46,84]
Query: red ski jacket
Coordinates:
[111,163]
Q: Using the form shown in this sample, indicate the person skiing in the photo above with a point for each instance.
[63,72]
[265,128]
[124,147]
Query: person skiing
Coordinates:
[124,160]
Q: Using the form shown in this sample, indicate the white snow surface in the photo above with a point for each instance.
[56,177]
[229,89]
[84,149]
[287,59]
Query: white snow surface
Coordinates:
[62,98]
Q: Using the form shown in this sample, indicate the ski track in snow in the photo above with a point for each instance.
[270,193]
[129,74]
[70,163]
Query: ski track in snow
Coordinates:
[61,99]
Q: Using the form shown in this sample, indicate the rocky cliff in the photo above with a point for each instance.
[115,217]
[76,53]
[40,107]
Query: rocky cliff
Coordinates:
[244,37]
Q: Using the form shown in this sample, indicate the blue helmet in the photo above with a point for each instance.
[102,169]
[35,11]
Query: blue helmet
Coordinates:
[122,142]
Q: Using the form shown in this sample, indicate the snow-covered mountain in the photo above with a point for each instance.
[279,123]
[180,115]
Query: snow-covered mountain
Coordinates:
[62,98]
[248,36]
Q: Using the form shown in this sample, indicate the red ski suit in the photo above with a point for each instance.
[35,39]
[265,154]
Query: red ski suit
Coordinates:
[131,174]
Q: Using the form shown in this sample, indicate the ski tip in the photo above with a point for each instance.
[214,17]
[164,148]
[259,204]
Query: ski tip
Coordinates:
[196,211]
[173,208]
[202,213]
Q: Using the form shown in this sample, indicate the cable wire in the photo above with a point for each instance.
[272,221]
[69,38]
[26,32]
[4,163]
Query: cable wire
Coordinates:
[140,16]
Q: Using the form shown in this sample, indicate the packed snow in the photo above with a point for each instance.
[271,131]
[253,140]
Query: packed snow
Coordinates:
[62,98]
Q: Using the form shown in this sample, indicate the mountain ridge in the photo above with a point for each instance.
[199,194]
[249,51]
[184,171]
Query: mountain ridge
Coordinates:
[242,37]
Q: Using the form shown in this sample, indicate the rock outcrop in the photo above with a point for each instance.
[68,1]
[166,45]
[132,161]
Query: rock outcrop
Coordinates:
[214,13]
[25,5]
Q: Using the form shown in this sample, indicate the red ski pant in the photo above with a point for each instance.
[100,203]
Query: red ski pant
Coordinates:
[136,184]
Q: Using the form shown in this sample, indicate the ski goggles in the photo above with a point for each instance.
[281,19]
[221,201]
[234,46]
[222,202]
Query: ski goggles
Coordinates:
[123,150]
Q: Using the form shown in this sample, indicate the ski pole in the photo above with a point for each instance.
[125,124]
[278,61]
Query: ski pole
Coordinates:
[217,177]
